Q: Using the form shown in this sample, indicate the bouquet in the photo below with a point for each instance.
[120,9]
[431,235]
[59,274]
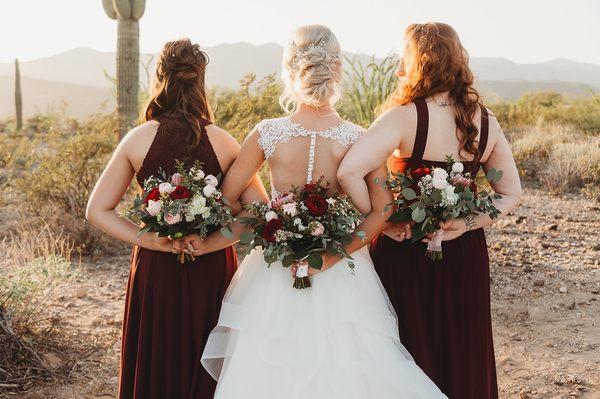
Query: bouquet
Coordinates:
[302,225]
[429,196]
[186,202]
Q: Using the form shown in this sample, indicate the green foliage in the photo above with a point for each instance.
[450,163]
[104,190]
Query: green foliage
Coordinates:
[543,108]
[238,111]
[59,172]
[366,87]
[18,97]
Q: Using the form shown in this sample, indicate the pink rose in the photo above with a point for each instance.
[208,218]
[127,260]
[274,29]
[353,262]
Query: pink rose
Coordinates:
[280,200]
[172,219]
[461,181]
[176,179]
[154,207]
[318,229]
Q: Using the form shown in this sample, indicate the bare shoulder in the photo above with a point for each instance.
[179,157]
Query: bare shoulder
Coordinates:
[399,116]
[225,145]
[141,134]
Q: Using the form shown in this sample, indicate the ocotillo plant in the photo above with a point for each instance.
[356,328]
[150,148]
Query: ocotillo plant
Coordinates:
[127,14]
[366,87]
[18,97]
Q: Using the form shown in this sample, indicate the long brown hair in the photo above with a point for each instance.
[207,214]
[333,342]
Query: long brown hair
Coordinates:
[437,62]
[179,88]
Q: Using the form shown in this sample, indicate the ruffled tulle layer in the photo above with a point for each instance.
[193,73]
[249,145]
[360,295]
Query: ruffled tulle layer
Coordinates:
[338,339]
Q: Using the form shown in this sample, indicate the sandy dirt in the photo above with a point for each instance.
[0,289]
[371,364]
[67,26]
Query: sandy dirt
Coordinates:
[545,304]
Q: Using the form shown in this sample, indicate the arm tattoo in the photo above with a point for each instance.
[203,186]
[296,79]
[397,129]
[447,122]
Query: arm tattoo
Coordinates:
[470,222]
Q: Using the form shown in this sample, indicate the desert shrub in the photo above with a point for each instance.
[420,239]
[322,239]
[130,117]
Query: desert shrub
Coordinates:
[61,172]
[35,262]
[561,158]
[544,108]
[238,111]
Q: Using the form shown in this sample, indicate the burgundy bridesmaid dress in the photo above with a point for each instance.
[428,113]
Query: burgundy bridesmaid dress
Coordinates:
[443,307]
[170,309]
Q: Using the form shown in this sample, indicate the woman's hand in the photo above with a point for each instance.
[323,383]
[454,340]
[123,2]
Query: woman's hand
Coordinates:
[164,244]
[194,244]
[452,229]
[398,231]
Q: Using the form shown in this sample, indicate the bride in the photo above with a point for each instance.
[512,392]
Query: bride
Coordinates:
[338,339]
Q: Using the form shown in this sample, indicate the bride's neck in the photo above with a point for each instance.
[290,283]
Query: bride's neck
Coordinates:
[322,111]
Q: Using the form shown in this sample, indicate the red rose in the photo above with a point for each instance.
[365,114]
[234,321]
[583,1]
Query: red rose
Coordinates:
[180,192]
[420,172]
[271,228]
[153,195]
[316,204]
[310,187]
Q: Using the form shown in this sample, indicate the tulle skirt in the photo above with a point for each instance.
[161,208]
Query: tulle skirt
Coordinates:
[338,339]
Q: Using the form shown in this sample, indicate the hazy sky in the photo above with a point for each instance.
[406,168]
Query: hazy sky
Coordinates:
[521,30]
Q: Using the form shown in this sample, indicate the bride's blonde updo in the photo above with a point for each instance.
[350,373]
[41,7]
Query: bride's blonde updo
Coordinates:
[312,68]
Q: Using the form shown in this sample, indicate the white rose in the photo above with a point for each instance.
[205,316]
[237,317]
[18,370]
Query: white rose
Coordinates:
[165,188]
[439,173]
[271,215]
[211,180]
[209,190]
[458,167]
[154,207]
[439,184]
[290,209]
[298,223]
[198,174]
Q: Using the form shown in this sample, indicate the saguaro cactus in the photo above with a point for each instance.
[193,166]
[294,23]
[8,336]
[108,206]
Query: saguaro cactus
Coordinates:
[18,97]
[127,14]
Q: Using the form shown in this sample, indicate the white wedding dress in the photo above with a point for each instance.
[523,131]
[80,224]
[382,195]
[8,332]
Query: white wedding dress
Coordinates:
[337,339]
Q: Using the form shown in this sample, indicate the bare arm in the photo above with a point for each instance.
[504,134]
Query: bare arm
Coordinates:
[366,155]
[107,193]
[375,222]
[509,186]
[241,184]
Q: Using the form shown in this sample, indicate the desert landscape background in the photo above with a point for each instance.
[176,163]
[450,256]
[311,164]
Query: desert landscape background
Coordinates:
[62,281]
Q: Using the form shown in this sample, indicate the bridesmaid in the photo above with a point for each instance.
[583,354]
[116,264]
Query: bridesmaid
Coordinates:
[170,308]
[444,306]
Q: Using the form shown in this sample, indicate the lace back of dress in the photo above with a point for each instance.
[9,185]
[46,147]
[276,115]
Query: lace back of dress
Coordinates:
[281,130]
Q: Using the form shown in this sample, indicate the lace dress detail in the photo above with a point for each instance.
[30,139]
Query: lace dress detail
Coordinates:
[281,130]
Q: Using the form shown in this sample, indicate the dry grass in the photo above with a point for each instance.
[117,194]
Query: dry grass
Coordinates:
[34,263]
[560,158]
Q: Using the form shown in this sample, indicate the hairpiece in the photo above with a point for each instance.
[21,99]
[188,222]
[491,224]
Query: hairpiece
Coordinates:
[301,52]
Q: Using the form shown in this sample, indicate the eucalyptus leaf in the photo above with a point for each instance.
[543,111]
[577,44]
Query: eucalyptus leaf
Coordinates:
[247,237]
[315,260]
[409,194]
[418,215]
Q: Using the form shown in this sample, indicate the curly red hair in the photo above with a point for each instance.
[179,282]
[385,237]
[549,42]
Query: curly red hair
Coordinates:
[436,62]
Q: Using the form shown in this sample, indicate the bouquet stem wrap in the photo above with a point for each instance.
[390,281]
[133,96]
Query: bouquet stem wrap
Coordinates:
[301,280]
[434,246]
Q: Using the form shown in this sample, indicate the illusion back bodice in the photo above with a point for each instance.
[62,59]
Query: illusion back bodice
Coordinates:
[297,155]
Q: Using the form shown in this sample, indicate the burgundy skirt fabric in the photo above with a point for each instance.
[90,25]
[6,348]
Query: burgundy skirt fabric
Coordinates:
[443,310]
[170,310]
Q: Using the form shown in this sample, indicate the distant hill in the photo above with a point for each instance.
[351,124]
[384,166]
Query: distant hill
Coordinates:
[40,95]
[77,76]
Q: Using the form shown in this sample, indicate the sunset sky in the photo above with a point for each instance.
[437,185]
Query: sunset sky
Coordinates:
[520,30]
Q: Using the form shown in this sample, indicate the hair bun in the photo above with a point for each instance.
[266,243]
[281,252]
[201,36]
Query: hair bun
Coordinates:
[312,68]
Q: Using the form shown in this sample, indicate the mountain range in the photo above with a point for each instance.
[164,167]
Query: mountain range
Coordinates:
[78,77]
